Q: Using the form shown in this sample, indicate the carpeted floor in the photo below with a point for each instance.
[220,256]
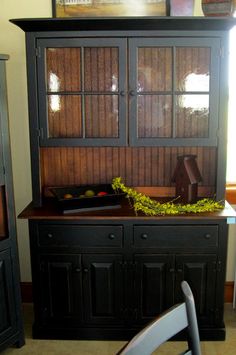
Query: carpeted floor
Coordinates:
[78,347]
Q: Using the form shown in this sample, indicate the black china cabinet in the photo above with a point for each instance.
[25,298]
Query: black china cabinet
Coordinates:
[125,97]
[11,327]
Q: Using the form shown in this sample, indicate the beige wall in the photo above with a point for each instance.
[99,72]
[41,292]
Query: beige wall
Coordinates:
[12,42]
[231,260]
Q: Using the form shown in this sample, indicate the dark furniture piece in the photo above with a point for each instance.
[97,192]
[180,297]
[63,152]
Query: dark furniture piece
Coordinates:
[11,329]
[176,319]
[93,273]
[125,97]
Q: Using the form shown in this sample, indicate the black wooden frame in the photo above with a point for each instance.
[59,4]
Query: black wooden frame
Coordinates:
[45,139]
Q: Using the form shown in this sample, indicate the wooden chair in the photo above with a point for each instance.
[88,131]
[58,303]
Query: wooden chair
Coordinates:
[166,326]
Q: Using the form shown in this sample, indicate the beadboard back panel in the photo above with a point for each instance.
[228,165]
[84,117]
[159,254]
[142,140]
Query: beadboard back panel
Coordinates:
[141,166]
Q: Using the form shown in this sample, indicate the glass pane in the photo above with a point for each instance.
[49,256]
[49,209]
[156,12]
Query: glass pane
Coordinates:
[101,116]
[3,214]
[101,69]
[64,116]
[154,116]
[63,69]
[154,69]
[193,69]
[192,116]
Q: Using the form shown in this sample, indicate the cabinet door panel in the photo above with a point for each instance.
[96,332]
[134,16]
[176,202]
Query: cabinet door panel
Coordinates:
[174,86]
[154,285]
[192,116]
[154,69]
[82,91]
[200,272]
[193,73]
[103,288]
[101,116]
[101,69]
[60,106]
[150,107]
[193,65]
[7,304]
[61,297]
[61,75]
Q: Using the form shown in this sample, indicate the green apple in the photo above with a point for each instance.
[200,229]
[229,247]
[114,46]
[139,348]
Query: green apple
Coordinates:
[89,193]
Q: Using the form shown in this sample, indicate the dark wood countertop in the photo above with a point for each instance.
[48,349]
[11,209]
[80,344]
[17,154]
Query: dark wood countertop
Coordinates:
[50,210]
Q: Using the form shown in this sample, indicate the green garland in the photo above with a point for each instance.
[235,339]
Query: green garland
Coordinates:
[151,207]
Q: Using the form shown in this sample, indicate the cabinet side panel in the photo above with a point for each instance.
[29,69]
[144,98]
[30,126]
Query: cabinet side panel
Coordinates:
[7,307]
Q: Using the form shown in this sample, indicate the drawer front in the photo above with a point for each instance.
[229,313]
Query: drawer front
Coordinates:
[82,236]
[194,236]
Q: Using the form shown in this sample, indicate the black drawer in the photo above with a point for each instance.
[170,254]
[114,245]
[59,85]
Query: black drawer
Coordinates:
[190,236]
[82,236]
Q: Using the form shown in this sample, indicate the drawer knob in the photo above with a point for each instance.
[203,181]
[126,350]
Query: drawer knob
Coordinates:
[111,236]
[86,270]
[50,235]
[132,93]
[77,269]
[207,236]
[144,236]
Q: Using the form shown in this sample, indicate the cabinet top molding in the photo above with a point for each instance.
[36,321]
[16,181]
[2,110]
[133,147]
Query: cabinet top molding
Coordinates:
[4,56]
[126,23]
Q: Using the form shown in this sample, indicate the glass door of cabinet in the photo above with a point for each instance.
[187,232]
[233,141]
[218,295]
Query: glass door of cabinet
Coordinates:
[174,91]
[81,91]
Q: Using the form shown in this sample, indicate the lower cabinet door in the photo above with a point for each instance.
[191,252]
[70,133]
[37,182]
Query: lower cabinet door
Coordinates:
[7,303]
[153,292]
[77,289]
[200,272]
[61,289]
[103,288]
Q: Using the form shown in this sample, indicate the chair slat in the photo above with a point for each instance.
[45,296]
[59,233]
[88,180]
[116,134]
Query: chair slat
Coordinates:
[167,325]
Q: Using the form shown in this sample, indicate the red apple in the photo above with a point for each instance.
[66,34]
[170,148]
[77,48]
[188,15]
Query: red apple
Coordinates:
[101,193]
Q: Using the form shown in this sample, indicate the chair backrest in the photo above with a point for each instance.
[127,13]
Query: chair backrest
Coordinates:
[166,326]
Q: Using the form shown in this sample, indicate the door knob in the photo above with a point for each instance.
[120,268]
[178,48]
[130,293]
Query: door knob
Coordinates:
[132,93]
[207,236]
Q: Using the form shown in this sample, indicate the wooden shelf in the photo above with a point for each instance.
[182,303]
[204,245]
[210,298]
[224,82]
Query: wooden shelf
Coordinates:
[50,210]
